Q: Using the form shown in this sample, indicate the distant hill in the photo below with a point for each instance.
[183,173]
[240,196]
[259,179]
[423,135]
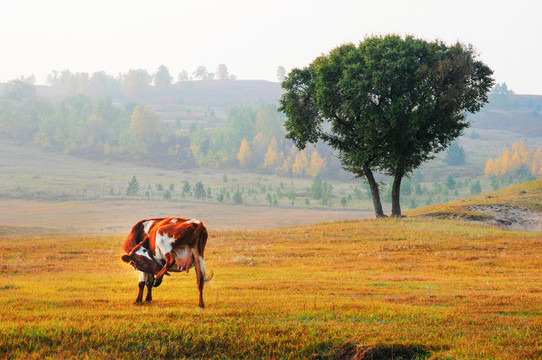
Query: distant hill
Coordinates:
[204,92]
[522,115]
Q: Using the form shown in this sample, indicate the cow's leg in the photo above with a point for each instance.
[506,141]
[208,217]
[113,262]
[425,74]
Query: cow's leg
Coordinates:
[149,283]
[141,285]
[199,278]
[170,260]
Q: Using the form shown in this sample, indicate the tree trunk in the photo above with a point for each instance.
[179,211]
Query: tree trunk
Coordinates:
[374,192]
[395,194]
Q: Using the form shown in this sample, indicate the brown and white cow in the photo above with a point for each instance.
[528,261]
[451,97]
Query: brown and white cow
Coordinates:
[156,246]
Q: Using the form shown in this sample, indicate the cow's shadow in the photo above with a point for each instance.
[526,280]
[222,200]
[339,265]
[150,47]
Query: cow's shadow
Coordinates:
[385,352]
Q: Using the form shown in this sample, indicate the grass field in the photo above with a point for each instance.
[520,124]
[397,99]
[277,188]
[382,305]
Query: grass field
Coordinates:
[372,289]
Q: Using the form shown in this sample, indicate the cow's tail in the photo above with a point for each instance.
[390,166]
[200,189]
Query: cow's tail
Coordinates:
[202,241]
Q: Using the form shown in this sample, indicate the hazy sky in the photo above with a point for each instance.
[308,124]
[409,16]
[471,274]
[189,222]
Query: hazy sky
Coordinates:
[254,37]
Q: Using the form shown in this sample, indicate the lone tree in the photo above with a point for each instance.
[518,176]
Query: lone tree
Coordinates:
[386,105]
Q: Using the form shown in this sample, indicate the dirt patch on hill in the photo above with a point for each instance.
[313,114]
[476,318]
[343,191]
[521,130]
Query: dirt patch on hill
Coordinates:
[510,217]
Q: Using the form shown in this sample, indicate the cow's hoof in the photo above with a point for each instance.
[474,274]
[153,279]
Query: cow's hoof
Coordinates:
[138,303]
[148,301]
[157,281]
[202,305]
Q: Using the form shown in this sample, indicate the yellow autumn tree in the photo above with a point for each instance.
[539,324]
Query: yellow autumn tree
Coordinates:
[316,165]
[285,165]
[244,153]
[505,162]
[525,153]
[536,167]
[300,165]
[515,162]
[490,168]
[271,159]
[521,157]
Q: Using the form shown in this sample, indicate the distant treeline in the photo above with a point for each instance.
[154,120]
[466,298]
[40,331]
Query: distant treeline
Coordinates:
[138,85]
[253,137]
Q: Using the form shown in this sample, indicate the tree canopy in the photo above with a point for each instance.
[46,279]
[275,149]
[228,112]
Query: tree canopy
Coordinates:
[386,105]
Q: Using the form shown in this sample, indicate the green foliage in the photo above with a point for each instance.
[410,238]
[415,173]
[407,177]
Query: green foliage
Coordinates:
[357,193]
[406,187]
[494,182]
[455,155]
[435,175]
[450,182]
[77,125]
[199,190]
[186,188]
[20,89]
[133,187]
[327,194]
[167,194]
[162,78]
[316,189]
[501,97]
[220,146]
[238,197]
[476,188]
[391,102]
[291,194]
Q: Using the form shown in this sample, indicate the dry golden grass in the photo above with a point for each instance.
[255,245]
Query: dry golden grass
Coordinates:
[409,288]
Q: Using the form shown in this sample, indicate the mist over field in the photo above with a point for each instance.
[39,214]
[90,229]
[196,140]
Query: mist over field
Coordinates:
[206,139]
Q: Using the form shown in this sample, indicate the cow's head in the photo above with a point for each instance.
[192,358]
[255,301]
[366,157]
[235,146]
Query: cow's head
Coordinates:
[141,260]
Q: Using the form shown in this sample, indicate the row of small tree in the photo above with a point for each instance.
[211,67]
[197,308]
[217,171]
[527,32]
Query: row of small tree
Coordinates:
[135,83]
[521,158]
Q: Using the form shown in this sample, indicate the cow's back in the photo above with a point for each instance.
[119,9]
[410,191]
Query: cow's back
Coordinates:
[136,235]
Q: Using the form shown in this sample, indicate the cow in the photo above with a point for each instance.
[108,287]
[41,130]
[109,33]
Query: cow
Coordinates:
[156,246]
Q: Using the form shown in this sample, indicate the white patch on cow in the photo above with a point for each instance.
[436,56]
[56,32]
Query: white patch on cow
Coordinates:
[202,263]
[174,220]
[147,226]
[193,221]
[143,277]
[164,244]
[143,252]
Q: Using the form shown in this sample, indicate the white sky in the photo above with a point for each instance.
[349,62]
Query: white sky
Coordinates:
[253,37]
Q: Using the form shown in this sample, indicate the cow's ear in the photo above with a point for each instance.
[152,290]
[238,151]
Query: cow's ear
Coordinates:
[126,258]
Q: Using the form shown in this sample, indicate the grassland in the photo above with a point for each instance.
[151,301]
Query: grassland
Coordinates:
[414,288]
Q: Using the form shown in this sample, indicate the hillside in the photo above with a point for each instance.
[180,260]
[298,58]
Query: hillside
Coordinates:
[516,207]
[518,113]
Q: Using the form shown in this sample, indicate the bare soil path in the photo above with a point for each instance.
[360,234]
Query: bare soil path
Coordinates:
[120,216]
[511,217]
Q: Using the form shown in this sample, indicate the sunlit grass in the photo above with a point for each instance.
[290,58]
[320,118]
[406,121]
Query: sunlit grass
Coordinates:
[439,288]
